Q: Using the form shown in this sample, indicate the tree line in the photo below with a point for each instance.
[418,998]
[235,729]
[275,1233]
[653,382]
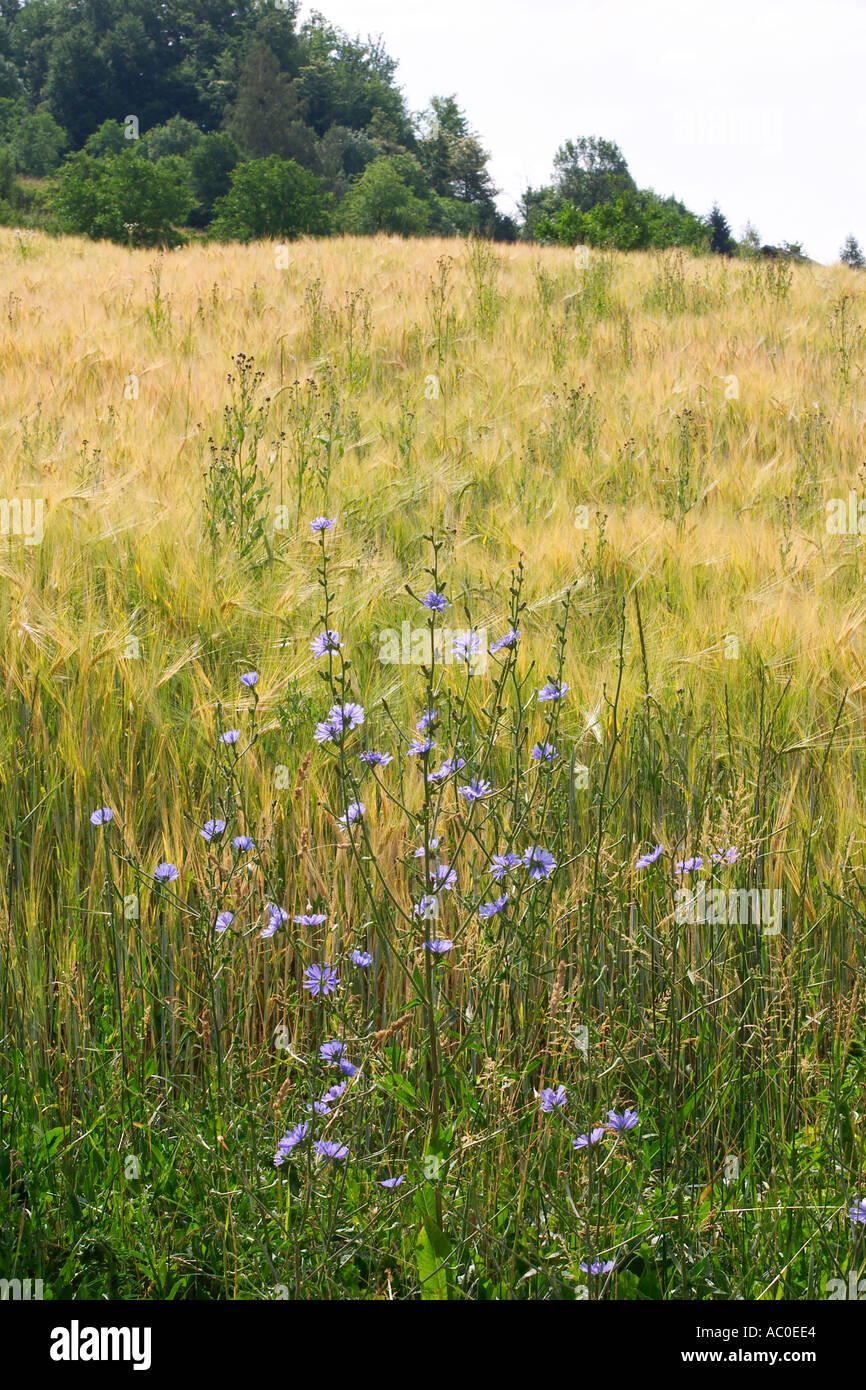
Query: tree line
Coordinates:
[146,123]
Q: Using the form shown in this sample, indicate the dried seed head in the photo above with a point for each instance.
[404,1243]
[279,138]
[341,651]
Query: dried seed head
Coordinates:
[282,1093]
[386,1034]
[557,994]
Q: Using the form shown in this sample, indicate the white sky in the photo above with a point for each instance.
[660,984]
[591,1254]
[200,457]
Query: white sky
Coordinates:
[760,104]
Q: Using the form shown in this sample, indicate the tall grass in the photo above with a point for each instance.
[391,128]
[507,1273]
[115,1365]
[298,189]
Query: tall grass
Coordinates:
[627,462]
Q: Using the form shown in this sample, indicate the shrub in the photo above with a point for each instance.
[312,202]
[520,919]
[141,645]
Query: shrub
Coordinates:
[109,138]
[177,136]
[8,186]
[272,197]
[387,198]
[38,144]
[123,198]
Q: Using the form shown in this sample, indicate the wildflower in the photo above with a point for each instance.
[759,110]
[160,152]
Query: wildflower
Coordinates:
[466,646]
[646,859]
[166,873]
[310,919]
[443,877]
[583,1141]
[428,907]
[340,719]
[392,1182]
[553,1099]
[347,1068]
[243,842]
[628,1120]
[539,862]
[376,759]
[475,790]
[511,636]
[290,1140]
[230,736]
[553,690]
[450,765]
[212,829]
[439,946]
[502,864]
[437,603]
[491,909]
[325,642]
[321,979]
[420,745]
[597,1266]
[857,1213]
[322,523]
[101,816]
[332,1051]
[361,958]
[223,921]
[329,1148]
[249,679]
[730,856]
[350,714]
[333,1093]
[434,844]
[354,813]
[427,718]
[686,866]
[276,917]
[544,752]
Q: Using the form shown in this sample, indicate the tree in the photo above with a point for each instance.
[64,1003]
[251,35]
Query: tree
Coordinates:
[750,241]
[631,222]
[388,197]
[8,186]
[852,255]
[591,170]
[272,198]
[266,117]
[587,172]
[670,223]
[453,160]
[721,241]
[538,209]
[620,224]
[122,197]
[38,144]
[12,113]
[11,86]
[177,136]
[341,155]
[211,163]
[343,81]
[109,138]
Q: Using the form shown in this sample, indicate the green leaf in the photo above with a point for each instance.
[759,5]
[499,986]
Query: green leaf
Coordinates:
[431,1252]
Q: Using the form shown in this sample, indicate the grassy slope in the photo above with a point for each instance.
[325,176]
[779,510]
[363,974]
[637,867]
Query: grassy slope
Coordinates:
[610,388]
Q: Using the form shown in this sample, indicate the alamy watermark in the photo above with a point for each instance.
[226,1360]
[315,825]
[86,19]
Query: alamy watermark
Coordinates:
[759,907]
[77,1343]
[416,646]
[853,1290]
[846,516]
[24,517]
[21,1290]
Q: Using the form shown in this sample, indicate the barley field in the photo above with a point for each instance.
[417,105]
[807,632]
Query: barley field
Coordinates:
[560,996]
